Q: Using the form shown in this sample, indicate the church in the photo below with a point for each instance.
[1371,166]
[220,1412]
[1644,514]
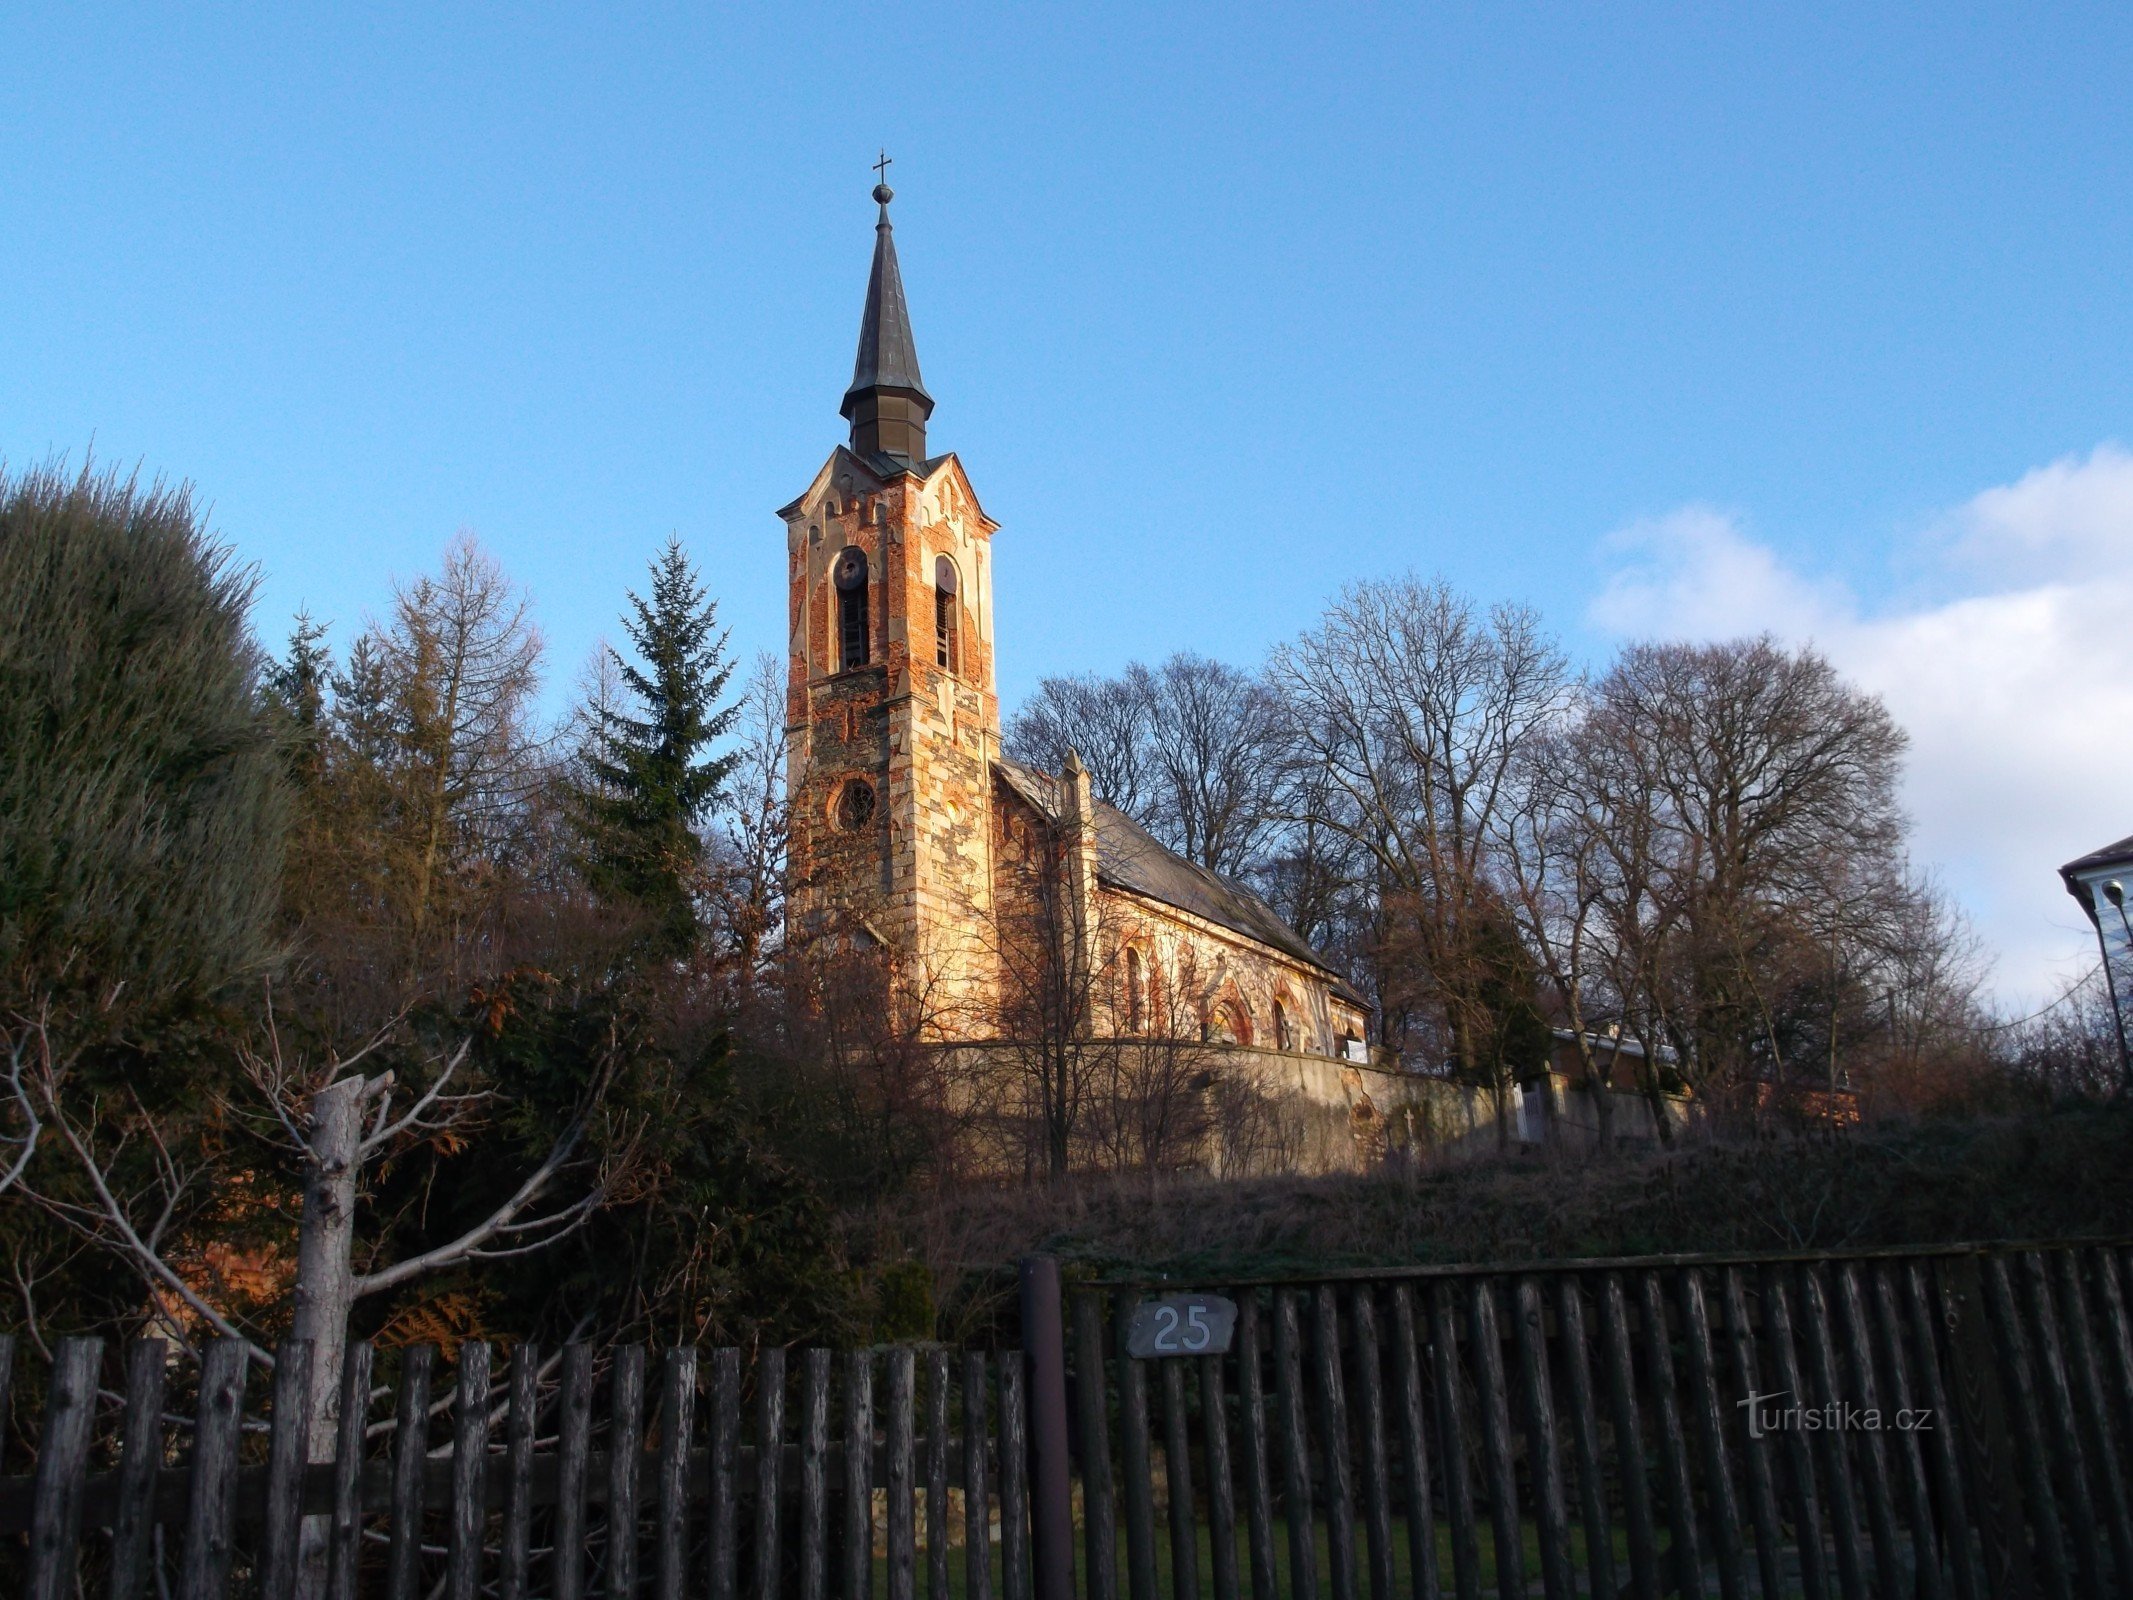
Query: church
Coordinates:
[1007,899]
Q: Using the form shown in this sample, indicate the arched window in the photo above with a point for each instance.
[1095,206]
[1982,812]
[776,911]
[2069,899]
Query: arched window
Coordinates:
[1284,1035]
[945,642]
[1134,997]
[855,805]
[851,580]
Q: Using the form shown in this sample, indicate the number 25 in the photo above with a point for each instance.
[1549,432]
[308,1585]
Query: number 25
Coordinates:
[1198,1335]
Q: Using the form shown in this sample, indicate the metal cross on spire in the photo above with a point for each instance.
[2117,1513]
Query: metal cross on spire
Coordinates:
[881,167]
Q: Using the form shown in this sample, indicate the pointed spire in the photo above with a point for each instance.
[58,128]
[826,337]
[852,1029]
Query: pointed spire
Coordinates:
[887,402]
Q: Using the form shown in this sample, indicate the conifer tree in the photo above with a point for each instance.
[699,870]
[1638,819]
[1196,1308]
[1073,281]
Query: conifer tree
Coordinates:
[296,687]
[651,778]
[142,806]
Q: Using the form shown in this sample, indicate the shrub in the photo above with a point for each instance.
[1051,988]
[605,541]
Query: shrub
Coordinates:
[141,801]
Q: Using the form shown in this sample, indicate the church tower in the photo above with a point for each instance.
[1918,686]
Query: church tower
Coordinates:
[892,714]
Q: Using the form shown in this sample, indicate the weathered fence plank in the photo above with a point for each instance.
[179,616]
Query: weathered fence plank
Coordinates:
[141,1453]
[1953,1519]
[1872,1448]
[1136,1481]
[625,1454]
[411,1427]
[1755,1453]
[858,1475]
[1799,1461]
[62,1465]
[814,1476]
[1092,1406]
[2117,1346]
[1719,1499]
[1585,1434]
[288,1452]
[721,1547]
[345,1535]
[212,1508]
[769,1469]
[2094,1412]
[1177,1467]
[677,1428]
[1295,1445]
[2073,1481]
[1332,1408]
[515,1541]
[1832,1456]
[2033,1463]
[1221,1487]
[1544,1462]
[1377,1467]
[1995,1483]
[574,1450]
[937,1474]
[1910,1461]
[901,1527]
[1258,1474]
[1014,1478]
[470,1452]
[1495,1406]
[1451,1429]
[1685,1553]
[977,1519]
[1414,1447]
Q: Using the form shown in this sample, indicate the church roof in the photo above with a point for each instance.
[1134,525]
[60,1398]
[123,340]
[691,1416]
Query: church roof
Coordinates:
[1129,857]
[888,354]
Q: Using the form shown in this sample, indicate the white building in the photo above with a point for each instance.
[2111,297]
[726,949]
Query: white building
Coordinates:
[2102,881]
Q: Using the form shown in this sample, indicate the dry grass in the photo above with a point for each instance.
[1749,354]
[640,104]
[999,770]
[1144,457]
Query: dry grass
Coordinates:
[2060,1174]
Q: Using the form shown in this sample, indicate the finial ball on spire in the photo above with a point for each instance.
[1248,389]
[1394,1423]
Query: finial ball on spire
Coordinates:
[883,194]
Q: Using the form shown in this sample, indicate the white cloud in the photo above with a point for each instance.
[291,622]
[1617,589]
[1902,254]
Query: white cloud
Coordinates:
[2017,690]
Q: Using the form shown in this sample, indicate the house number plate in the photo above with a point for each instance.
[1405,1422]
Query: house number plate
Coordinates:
[1181,1325]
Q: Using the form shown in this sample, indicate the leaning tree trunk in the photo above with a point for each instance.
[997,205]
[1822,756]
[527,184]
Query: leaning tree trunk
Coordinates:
[325,1282]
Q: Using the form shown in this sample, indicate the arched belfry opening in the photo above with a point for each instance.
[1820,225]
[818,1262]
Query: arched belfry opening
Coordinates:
[852,623]
[947,629]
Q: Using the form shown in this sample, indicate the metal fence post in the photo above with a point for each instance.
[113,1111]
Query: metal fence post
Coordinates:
[1051,1497]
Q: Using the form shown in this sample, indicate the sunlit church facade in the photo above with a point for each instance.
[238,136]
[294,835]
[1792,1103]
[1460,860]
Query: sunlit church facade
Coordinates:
[911,829]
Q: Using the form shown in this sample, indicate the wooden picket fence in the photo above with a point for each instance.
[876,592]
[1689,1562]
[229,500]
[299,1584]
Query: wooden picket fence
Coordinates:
[1578,1427]
[1451,1431]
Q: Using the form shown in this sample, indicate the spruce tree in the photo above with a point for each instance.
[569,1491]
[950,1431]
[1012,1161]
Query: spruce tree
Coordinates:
[652,778]
[296,688]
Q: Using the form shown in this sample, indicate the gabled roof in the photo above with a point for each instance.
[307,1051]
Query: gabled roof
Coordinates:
[883,469]
[2111,855]
[1129,857]
[2076,873]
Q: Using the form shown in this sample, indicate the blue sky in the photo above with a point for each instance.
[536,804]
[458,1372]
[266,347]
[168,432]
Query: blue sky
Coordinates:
[1223,307]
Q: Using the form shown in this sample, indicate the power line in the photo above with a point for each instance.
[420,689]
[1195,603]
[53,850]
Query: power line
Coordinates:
[2065,995]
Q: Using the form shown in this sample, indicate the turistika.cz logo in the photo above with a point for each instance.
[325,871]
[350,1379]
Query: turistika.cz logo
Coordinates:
[1838,1416]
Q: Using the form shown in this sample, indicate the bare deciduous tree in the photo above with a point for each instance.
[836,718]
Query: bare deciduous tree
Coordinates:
[1186,749]
[746,875]
[1765,787]
[1409,711]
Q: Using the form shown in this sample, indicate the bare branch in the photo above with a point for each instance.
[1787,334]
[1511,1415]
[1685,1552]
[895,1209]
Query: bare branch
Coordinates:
[468,1244]
[139,1251]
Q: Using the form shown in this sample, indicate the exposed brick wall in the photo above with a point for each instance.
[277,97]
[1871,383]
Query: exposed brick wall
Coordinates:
[943,869]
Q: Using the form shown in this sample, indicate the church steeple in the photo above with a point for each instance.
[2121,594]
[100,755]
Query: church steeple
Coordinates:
[887,403]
